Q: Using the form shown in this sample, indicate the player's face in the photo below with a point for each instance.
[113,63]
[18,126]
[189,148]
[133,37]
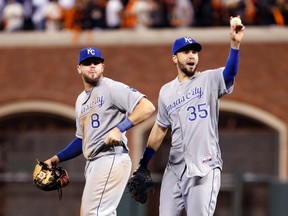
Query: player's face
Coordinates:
[186,61]
[91,70]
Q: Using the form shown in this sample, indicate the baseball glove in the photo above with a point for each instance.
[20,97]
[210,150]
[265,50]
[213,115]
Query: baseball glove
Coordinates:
[140,184]
[48,179]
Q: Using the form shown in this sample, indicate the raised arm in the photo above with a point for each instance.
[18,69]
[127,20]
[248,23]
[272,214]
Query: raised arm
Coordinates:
[231,67]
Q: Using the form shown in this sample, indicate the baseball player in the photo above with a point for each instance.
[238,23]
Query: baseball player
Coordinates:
[189,106]
[105,110]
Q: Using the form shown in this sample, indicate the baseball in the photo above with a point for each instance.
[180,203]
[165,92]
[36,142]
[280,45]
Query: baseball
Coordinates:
[236,21]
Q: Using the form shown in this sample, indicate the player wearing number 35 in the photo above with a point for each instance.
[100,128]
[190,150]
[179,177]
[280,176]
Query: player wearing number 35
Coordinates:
[188,105]
[105,110]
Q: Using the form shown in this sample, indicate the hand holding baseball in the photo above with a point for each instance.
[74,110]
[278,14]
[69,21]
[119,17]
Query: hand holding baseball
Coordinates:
[236,23]
[236,31]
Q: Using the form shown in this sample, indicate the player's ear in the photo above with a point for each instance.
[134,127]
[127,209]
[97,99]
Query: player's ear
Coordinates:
[174,59]
[78,69]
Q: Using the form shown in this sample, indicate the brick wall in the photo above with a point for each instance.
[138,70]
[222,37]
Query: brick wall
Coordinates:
[50,72]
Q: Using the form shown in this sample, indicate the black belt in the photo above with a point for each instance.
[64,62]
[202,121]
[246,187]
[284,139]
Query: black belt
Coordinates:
[113,148]
[117,148]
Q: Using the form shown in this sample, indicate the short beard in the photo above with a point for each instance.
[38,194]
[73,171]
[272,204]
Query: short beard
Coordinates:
[187,72]
[90,81]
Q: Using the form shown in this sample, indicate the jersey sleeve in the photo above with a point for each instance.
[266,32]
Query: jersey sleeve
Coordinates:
[162,115]
[217,82]
[78,104]
[124,97]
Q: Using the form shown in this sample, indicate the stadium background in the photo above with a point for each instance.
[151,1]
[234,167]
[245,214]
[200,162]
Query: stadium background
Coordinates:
[39,85]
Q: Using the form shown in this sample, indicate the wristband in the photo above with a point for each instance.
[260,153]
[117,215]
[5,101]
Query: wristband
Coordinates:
[125,125]
[148,154]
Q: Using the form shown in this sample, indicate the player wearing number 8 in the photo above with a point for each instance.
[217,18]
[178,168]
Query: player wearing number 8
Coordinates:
[189,106]
[105,110]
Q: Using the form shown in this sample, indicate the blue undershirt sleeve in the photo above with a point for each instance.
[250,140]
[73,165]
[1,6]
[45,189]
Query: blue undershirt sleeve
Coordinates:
[148,153]
[231,67]
[73,150]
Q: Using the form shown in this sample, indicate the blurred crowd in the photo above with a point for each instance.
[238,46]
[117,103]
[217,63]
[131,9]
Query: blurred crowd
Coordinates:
[61,15]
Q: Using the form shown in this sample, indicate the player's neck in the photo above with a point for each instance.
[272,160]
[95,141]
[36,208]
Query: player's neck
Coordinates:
[183,78]
[89,85]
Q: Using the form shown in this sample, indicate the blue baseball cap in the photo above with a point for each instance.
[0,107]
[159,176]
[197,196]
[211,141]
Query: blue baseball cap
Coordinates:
[183,42]
[89,53]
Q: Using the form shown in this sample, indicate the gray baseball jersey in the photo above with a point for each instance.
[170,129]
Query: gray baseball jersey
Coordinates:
[100,110]
[191,110]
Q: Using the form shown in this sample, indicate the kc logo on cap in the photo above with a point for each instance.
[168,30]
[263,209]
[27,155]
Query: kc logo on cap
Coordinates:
[183,42]
[89,53]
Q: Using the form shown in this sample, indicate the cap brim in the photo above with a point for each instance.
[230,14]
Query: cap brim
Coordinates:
[195,46]
[92,57]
